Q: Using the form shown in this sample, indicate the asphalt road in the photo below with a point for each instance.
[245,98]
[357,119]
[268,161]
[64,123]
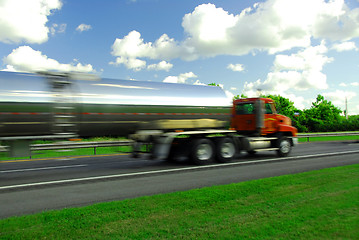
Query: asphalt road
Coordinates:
[38,185]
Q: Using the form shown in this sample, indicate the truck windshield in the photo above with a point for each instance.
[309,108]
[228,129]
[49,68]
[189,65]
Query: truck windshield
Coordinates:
[269,109]
[245,108]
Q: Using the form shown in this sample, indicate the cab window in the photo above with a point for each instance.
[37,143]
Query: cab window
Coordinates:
[269,109]
[245,108]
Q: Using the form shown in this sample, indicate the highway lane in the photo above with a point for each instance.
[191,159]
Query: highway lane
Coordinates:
[151,177]
[43,170]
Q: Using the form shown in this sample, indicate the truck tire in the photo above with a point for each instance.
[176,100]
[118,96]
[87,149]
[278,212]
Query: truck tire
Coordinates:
[225,150]
[284,146]
[202,151]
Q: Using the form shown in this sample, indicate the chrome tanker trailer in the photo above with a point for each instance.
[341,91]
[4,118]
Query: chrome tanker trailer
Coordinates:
[194,121]
[64,105]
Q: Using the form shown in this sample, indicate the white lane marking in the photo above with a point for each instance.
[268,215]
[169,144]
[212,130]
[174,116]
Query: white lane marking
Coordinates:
[171,170]
[39,169]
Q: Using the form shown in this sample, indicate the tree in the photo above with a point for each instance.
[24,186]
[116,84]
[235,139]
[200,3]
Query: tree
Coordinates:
[284,105]
[324,110]
[239,96]
[322,116]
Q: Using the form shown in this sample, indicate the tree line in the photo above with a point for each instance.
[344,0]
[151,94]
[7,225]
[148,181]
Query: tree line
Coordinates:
[322,116]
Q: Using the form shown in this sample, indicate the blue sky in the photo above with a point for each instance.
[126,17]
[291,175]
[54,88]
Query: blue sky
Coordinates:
[295,48]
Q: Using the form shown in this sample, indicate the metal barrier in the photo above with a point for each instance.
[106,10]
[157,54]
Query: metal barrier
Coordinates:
[339,134]
[95,145]
[73,145]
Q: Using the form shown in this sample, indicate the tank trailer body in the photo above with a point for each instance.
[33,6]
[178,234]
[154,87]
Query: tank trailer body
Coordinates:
[176,120]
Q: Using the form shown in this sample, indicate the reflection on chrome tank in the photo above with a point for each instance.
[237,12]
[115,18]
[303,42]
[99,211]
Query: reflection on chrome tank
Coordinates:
[46,104]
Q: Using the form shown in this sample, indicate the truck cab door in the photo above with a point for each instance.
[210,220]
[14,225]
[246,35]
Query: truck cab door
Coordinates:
[270,119]
[243,117]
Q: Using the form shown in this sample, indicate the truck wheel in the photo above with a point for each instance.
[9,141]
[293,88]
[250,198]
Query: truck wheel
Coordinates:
[284,147]
[202,151]
[225,150]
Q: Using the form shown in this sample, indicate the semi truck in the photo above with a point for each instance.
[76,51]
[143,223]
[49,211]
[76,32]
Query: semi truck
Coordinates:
[175,120]
[254,126]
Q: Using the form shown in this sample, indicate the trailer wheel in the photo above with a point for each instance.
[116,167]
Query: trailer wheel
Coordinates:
[225,150]
[202,151]
[284,147]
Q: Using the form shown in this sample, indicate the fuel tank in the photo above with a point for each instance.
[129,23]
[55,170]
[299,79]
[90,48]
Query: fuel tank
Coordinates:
[56,103]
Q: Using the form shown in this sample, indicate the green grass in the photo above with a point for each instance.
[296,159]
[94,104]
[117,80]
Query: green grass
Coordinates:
[69,153]
[313,205]
[324,139]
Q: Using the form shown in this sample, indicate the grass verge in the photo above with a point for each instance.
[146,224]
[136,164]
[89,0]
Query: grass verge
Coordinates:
[67,153]
[325,139]
[313,205]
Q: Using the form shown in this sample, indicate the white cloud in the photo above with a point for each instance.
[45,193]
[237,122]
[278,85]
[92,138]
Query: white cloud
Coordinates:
[267,26]
[354,84]
[161,66]
[197,82]
[337,22]
[56,28]
[138,64]
[133,46]
[272,26]
[182,78]
[299,71]
[298,101]
[236,67]
[338,97]
[207,27]
[345,46]
[83,27]
[26,59]
[311,58]
[130,63]
[26,20]
[289,62]
[229,94]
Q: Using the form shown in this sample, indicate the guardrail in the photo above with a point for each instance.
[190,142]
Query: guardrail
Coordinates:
[339,134]
[95,145]
[73,145]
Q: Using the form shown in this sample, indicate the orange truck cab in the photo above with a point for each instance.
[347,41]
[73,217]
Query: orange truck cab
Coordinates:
[258,117]
[255,127]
